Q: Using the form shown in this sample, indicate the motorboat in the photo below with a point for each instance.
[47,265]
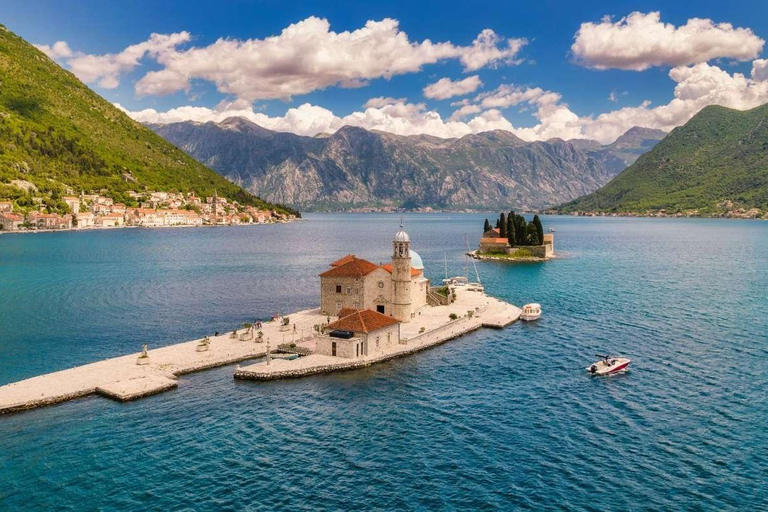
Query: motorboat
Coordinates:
[608,365]
[551,230]
[531,312]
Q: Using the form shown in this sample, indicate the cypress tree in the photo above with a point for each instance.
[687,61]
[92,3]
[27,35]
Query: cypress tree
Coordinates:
[511,238]
[539,229]
[502,226]
[532,235]
[520,230]
[486,226]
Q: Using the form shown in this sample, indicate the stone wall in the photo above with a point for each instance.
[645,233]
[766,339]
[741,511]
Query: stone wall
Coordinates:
[352,294]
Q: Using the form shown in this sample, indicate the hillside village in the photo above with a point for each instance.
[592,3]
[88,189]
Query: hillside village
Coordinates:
[149,209]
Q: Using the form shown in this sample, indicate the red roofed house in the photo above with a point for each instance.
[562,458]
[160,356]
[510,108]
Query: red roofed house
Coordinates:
[359,333]
[397,289]
[11,221]
[493,242]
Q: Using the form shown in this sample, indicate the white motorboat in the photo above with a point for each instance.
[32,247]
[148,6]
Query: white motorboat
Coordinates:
[609,365]
[531,312]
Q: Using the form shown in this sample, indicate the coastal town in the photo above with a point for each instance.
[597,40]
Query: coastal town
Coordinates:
[152,209]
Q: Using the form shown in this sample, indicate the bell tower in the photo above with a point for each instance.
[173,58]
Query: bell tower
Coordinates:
[401,276]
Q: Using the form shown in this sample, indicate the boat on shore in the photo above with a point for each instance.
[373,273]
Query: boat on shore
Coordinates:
[531,312]
[608,365]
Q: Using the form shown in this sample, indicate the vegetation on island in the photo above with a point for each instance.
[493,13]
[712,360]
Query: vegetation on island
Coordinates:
[714,165]
[517,230]
[58,138]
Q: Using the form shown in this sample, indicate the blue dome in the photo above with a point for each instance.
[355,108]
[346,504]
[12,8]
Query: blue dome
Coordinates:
[416,260]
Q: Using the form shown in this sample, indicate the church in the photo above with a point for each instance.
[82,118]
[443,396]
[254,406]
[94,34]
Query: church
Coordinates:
[397,289]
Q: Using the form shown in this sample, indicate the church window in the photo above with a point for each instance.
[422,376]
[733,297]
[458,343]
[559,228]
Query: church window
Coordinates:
[349,290]
[338,288]
[356,291]
[381,284]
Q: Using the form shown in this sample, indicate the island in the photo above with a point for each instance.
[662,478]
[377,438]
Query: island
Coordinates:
[368,313]
[515,239]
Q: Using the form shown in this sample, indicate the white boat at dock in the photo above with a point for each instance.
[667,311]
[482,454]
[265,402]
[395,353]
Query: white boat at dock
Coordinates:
[531,312]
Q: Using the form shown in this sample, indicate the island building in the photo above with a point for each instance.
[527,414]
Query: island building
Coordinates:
[397,289]
[492,243]
[358,333]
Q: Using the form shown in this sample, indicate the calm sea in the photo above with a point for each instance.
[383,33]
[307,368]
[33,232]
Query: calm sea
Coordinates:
[495,420]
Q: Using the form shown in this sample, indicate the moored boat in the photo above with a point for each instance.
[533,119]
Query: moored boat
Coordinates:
[609,365]
[531,312]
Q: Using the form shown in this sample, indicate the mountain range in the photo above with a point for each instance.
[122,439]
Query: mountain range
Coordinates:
[58,137]
[714,164]
[355,167]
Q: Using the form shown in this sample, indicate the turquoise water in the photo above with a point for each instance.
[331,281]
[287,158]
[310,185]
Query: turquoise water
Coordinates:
[494,420]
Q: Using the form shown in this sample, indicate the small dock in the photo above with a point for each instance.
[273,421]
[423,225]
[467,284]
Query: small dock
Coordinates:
[122,379]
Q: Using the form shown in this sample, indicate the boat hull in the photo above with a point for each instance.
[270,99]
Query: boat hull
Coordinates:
[600,368]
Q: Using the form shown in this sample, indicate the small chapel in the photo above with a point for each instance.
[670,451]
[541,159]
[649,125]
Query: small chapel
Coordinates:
[397,289]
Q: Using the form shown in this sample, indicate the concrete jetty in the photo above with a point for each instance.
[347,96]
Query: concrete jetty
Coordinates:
[121,378]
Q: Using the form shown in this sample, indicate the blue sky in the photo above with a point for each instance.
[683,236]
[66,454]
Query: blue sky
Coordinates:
[544,89]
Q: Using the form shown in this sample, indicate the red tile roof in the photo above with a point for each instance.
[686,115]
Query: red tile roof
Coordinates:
[364,321]
[388,268]
[345,259]
[494,241]
[352,268]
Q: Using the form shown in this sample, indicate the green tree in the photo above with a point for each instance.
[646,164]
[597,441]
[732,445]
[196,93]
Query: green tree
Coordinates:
[531,235]
[539,229]
[511,238]
[487,226]
[502,225]
[520,230]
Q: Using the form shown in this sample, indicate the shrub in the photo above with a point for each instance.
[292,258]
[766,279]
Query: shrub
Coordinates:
[453,316]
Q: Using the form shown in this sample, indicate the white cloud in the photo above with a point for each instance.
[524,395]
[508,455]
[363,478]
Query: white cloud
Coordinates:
[760,70]
[446,88]
[641,41]
[382,101]
[489,49]
[105,70]
[305,57]
[696,87]
[465,111]
[59,49]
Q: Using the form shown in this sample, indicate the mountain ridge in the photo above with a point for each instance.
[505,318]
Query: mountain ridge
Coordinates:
[717,159]
[355,167]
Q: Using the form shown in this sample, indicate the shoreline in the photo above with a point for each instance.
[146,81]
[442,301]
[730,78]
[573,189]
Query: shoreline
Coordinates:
[70,230]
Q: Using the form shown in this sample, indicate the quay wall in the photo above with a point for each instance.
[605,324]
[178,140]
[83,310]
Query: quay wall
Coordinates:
[460,327]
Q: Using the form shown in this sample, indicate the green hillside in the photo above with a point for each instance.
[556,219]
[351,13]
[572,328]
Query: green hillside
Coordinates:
[58,134]
[720,155]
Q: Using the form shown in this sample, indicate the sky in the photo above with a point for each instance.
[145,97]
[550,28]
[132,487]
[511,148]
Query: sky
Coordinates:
[538,69]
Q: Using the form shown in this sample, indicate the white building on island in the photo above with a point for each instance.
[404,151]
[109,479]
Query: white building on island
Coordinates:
[397,289]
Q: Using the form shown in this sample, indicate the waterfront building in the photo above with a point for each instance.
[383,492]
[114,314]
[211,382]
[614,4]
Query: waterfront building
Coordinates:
[359,333]
[110,220]
[182,218]
[49,221]
[397,289]
[85,220]
[10,221]
[145,217]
